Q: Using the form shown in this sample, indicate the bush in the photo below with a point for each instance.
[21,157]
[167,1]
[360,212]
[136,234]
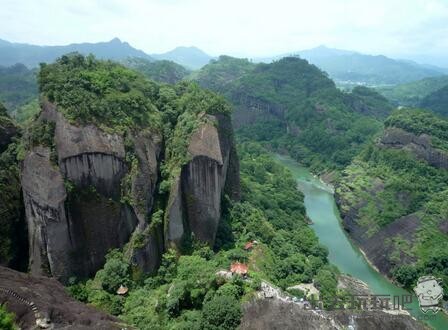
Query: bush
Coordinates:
[221,313]
[6,319]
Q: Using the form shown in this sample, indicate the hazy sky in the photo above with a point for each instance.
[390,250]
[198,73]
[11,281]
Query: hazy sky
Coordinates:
[236,27]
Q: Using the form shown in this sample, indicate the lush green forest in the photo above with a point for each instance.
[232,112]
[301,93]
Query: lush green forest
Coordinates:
[294,106]
[412,93]
[186,293]
[18,86]
[163,71]
[437,101]
[392,183]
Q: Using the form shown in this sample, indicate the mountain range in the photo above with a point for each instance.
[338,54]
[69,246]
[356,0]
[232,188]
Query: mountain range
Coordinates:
[115,49]
[349,68]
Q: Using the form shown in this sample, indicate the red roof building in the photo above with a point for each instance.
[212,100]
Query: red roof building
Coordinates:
[239,268]
[249,246]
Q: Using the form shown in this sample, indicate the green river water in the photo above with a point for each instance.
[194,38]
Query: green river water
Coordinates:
[322,210]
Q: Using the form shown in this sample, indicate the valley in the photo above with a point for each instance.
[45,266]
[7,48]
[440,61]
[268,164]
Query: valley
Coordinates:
[179,190]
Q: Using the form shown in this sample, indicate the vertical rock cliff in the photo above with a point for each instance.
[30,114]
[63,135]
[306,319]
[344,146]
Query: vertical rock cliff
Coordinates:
[98,159]
[71,231]
[75,205]
[195,199]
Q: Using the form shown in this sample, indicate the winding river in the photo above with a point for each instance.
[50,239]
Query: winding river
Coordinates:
[322,210]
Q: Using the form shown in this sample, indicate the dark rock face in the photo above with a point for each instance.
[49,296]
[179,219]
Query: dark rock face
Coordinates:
[71,232]
[52,302]
[377,247]
[420,146]
[276,314]
[250,109]
[195,199]
[75,209]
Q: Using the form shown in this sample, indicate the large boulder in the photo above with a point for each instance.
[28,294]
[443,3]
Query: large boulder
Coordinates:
[35,299]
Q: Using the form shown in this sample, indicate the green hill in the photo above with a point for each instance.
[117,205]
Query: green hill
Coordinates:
[160,71]
[292,105]
[411,94]
[190,57]
[350,68]
[437,101]
[393,197]
[18,86]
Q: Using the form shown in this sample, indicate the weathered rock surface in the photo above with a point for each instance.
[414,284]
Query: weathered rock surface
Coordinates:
[250,109]
[75,209]
[276,314]
[52,302]
[71,232]
[44,196]
[195,199]
[379,247]
[420,146]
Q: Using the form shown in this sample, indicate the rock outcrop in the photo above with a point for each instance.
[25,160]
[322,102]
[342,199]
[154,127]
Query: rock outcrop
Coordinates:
[84,194]
[194,204]
[266,314]
[38,299]
[420,146]
[70,232]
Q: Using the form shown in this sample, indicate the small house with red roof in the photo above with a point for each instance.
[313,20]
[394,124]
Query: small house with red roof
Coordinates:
[239,268]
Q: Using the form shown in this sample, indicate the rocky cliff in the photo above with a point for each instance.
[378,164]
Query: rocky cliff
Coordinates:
[194,205]
[91,198]
[73,207]
[391,197]
[419,145]
[276,314]
[39,301]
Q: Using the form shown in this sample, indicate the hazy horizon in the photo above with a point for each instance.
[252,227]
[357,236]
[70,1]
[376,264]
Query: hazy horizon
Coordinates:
[416,30]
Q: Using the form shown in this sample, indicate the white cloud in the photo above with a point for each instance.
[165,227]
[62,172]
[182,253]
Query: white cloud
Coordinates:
[238,27]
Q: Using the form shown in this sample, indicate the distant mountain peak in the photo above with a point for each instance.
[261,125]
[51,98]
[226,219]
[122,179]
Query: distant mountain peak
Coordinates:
[116,40]
[188,56]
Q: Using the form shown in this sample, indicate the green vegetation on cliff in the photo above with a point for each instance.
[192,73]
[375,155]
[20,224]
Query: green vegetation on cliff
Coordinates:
[90,91]
[384,184]
[12,226]
[292,105]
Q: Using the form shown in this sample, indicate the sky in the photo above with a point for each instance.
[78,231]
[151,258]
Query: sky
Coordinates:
[248,28]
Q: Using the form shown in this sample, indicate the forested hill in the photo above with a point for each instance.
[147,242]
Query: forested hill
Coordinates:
[393,197]
[161,71]
[18,86]
[350,68]
[292,105]
[411,94]
[437,101]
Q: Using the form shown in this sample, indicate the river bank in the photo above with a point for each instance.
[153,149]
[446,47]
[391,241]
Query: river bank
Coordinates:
[321,208]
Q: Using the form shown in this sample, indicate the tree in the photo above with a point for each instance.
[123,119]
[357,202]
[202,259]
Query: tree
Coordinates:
[222,312]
